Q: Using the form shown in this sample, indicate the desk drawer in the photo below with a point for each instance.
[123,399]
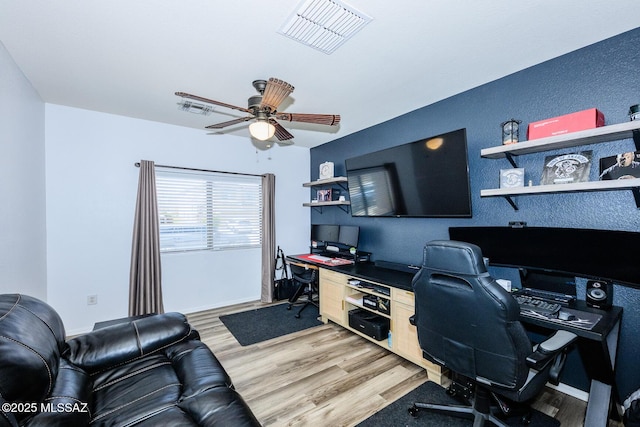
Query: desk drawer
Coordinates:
[404,297]
[333,276]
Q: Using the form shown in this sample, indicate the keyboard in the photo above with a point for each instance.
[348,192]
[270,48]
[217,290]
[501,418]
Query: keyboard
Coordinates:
[548,296]
[319,258]
[537,305]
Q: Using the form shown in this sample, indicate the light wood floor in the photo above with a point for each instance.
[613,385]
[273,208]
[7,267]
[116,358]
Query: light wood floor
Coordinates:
[328,376]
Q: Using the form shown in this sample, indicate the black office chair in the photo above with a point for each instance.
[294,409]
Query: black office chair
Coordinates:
[307,285]
[469,324]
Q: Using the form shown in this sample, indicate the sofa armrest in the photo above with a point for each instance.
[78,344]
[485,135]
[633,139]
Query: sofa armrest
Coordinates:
[219,406]
[7,419]
[197,368]
[114,345]
[69,403]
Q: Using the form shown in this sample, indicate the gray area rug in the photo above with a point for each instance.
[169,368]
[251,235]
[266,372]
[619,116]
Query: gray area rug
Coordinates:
[254,326]
[397,415]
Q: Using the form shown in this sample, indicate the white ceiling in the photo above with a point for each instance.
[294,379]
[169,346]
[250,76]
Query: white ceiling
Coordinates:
[129,57]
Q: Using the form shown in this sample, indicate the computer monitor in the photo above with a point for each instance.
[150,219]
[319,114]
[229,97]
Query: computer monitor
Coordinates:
[325,232]
[349,235]
[550,281]
[582,252]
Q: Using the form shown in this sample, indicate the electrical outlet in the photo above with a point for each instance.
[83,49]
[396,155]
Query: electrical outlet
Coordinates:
[92,299]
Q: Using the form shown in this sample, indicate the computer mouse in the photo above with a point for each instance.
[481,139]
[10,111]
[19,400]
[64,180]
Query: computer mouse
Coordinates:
[565,315]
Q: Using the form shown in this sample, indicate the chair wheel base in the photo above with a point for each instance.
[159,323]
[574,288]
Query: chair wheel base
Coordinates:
[413,411]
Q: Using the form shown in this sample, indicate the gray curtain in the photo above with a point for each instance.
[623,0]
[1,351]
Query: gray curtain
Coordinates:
[145,277]
[268,236]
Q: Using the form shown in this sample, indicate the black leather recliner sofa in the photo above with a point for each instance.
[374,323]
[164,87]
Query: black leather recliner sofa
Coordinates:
[148,372]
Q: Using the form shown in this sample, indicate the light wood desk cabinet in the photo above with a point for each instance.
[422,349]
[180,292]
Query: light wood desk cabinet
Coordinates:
[332,292]
[338,297]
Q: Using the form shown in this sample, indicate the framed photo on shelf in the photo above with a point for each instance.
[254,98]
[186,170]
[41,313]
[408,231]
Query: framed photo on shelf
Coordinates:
[566,168]
[620,166]
[324,195]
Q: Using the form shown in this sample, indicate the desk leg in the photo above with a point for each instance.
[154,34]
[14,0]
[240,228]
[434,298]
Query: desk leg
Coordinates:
[600,394]
[598,405]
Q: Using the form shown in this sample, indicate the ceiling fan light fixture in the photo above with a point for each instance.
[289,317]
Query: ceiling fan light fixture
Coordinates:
[262,130]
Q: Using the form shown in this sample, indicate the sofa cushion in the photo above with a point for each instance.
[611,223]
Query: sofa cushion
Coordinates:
[177,382]
[31,341]
[135,391]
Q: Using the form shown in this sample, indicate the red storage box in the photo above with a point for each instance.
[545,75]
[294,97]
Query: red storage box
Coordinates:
[587,119]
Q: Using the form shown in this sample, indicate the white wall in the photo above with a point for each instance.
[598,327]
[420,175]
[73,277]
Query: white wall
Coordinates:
[23,259]
[91,186]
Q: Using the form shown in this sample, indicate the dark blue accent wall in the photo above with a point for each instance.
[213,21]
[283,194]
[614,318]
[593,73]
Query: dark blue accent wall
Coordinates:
[606,76]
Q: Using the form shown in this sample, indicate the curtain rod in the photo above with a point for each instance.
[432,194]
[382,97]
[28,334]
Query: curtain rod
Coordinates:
[137,164]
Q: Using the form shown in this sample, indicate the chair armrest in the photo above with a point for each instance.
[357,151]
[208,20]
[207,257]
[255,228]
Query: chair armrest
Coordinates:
[556,342]
[553,348]
[114,345]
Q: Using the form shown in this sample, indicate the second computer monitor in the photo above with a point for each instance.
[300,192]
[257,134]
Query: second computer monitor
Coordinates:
[349,235]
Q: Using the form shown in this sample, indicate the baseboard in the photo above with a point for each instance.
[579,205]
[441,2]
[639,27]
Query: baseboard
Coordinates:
[193,310]
[81,331]
[571,391]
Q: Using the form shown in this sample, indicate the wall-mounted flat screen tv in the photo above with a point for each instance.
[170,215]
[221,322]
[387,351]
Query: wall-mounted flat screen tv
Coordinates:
[425,178]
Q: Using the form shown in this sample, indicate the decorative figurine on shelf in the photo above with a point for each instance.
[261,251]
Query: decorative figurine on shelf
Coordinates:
[510,131]
[326,170]
[634,112]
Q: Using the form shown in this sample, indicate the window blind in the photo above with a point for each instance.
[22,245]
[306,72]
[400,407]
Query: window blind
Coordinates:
[208,210]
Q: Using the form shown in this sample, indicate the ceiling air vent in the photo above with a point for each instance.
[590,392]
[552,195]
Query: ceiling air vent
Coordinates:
[324,24]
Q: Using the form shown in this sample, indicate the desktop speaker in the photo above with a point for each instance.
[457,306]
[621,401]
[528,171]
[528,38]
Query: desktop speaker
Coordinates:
[599,294]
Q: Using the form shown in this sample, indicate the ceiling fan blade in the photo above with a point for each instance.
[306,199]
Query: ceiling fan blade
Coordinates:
[211,101]
[285,143]
[229,123]
[274,93]
[320,119]
[281,133]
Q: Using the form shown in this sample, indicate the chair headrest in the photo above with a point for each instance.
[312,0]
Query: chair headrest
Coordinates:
[455,257]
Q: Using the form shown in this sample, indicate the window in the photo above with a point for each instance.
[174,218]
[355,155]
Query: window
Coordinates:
[208,210]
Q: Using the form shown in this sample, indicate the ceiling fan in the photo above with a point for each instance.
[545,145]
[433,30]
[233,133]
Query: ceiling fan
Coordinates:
[263,108]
